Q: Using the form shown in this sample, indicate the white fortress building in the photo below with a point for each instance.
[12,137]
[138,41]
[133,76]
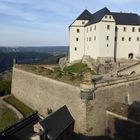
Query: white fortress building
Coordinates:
[105,34]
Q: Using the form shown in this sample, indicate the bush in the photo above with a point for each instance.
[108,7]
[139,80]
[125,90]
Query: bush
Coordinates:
[5,87]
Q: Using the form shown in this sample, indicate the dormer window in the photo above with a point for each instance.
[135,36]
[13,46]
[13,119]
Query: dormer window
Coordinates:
[83,22]
[110,17]
[105,17]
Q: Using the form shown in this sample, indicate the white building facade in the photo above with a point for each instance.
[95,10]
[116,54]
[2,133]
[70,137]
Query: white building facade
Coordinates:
[105,34]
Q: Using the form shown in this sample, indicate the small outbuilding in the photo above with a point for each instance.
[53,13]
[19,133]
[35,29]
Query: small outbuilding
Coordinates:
[58,125]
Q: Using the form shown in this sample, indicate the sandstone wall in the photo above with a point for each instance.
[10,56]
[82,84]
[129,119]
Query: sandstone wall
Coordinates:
[41,93]
[105,97]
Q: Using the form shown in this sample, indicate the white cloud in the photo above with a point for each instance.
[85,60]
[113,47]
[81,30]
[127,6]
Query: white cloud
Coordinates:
[11,11]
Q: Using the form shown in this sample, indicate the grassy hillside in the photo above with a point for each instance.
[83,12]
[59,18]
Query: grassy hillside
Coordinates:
[7,117]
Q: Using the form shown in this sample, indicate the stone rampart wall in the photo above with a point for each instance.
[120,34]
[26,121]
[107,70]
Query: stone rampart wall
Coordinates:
[42,93]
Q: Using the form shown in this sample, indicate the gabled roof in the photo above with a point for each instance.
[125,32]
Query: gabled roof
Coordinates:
[86,15]
[120,18]
[97,17]
[57,122]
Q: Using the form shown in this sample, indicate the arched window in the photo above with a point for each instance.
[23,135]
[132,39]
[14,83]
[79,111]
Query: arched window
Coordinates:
[130,55]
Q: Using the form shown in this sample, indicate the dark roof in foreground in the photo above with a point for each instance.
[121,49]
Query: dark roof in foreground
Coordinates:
[57,122]
[120,18]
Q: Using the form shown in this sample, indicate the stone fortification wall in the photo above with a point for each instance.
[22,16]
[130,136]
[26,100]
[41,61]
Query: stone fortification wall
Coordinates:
[42,93]
[104,96]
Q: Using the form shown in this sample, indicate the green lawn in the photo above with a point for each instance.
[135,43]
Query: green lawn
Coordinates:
[7,117]
[76,68]
[21,107]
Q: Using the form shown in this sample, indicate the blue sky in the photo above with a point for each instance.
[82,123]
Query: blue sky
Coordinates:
[45,22]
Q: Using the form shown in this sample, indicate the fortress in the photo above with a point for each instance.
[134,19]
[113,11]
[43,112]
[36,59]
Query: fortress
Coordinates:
[105,34]
[100,35]
[87,103]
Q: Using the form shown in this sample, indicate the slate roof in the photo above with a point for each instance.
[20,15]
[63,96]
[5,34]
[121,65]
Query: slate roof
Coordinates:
[55,124]
[120,18]
[97,17]
[126,18]
[86,15]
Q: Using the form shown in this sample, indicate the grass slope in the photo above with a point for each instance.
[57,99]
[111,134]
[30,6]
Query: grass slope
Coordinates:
[76,68]
[7,117]
[21,107]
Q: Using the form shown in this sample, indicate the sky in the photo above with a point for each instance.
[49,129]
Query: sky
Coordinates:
[46,22]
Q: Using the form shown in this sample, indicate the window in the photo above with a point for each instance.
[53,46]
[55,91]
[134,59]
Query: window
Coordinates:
[116,29]
[105,17]
[107,38]
[83,22]
[133,29]
[95,27]
[75,48]
[110,17]
[129,38]
[90,28]
[130,55]
[108,27]
[87,29]
[89,38]
[126,99]
[124,29]
[139,29]
[122,38]
[78,30]
[115,38]
[94,37]
[77,39]
[138,39]
[107,45]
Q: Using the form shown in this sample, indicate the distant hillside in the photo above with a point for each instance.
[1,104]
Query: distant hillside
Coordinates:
[30,55]
[50,50]
[6,59]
